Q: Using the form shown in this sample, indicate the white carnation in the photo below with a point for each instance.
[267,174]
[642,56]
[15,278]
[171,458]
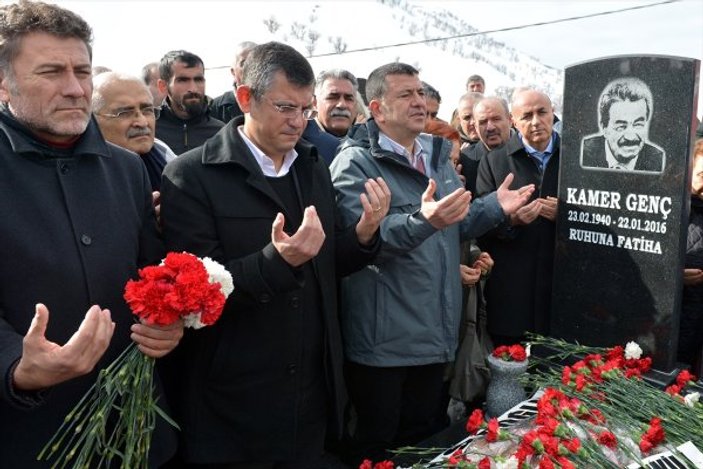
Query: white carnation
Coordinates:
[632,350]
[511,463]
[192,321]
[692,398]
[219,274]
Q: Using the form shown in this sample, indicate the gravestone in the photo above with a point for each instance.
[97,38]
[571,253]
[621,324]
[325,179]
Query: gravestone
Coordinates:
[624,195]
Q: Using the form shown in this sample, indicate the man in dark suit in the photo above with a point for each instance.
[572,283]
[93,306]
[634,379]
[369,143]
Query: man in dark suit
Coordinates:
[79,223]
[624,114]
[258,386]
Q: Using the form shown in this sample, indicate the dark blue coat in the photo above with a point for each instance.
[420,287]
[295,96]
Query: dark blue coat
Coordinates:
[77,224]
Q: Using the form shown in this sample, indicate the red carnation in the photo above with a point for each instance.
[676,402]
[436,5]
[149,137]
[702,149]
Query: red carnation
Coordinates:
[566,376]
[517,353]
[384,465]
[684,377]
[493,427]
[607,439]
[546,463]
[475,421]
[484,463]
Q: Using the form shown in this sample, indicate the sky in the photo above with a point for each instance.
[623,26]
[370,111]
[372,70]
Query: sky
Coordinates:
[131,33]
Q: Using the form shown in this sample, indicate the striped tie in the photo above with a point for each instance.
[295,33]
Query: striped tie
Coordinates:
[419,164]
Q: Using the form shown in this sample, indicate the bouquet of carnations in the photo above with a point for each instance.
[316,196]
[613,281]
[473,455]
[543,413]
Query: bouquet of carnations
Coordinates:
[183,287]
[597,412]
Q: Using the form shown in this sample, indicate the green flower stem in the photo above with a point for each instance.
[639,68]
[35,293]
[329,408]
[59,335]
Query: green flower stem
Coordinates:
[121,400]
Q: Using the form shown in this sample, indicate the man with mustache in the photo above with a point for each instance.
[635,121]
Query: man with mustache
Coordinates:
[123,107]
[518,292]
[488,122]
[335,101]
[185,122]
[624,115]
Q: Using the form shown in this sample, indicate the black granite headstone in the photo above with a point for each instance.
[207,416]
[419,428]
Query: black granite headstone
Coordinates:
[624,202]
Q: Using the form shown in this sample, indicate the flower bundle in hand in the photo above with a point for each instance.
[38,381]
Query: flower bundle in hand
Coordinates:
[183,287]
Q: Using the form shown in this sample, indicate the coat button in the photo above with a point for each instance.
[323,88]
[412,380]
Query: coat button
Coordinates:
[291,368]
[86,240]
[294,302]
[265,298]
[63,168]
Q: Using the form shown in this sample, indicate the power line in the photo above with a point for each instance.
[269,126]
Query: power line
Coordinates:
[510,28]
[490,31]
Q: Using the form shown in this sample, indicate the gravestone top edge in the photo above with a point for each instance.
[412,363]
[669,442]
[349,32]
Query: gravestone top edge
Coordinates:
[633,56]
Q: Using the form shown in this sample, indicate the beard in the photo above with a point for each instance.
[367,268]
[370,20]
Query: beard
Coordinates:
[193,107]
[50,125]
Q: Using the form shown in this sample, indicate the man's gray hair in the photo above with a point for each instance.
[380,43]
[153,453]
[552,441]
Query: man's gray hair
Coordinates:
[102,82]
[376,83]
[496,99]
[431,92]
[623,89]
[335,74]
[243,48]
[266,60]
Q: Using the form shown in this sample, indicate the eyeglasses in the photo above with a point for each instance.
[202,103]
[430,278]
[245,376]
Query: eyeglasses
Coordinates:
[133,113]
[292,112]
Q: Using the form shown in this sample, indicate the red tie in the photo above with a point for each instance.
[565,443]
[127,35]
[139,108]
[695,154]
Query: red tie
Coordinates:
[419,164]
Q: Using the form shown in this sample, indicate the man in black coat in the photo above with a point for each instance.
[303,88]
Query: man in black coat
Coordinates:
[624,114]
[259,386]
[78,222]
[185,121]
[225,106]
[518,292]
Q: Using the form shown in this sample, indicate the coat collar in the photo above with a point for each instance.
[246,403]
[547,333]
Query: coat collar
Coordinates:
[366,136]
[22,141]
[226,147]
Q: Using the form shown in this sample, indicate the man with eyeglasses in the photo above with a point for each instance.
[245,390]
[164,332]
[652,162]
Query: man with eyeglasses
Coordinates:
[123,108]
[259,386]
[185,121]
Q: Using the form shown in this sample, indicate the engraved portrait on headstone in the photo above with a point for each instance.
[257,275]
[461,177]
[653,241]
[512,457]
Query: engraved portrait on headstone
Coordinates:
[625,110]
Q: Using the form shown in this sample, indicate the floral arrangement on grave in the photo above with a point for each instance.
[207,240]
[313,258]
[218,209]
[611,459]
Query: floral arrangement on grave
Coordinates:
[183,287]
[507,364]
[511,353]
[595,412]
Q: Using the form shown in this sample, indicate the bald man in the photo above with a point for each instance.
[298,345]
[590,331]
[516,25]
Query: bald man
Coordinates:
[518,293]
[124,109]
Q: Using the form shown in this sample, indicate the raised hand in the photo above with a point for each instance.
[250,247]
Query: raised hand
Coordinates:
[527,214]
[549,208]
[304,244]
[375,202]
[512,200]
[44,364]
[448,210]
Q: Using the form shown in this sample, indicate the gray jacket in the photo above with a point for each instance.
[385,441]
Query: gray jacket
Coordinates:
[404,309]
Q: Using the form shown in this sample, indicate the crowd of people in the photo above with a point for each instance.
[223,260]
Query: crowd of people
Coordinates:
[369,242]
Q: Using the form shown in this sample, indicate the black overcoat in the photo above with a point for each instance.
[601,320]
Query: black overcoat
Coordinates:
[519,291]
[76,225]
[239,386]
